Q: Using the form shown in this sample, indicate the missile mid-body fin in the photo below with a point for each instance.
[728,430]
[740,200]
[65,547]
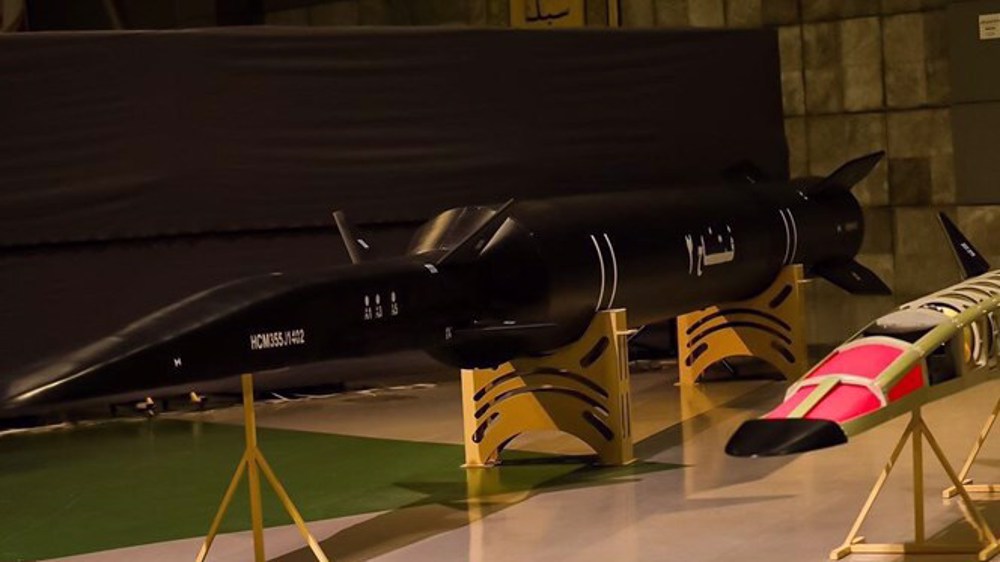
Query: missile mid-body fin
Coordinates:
[470,247]
[971,261]
[358,249]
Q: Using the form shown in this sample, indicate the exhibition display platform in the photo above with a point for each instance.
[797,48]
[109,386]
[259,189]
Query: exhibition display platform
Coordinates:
[377,475]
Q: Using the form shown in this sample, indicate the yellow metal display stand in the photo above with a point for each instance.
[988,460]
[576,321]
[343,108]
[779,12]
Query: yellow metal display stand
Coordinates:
[915,431]
[253,463]
[963,475]
[770,326]
[581,389]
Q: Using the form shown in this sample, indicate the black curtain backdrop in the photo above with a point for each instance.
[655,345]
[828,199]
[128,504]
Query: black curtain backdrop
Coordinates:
[139,167]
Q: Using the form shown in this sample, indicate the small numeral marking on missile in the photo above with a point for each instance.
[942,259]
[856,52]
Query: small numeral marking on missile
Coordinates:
[368,308]
[178,362]
[375,308]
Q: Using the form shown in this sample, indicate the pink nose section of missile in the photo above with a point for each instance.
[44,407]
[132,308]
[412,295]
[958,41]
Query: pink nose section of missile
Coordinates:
[854,369]
[848,401]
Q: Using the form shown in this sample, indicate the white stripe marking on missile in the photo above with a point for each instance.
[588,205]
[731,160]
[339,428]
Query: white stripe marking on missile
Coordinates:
[600,260]
[788,236]
[689,242]
[795,236]
[614,265]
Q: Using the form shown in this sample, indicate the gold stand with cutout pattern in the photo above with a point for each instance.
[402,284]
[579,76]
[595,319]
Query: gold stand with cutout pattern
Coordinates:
[769,326]
[581,389]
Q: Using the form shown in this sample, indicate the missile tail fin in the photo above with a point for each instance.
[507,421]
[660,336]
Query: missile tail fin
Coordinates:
[848,175]
[852,277]
[471,245]
[357,248]
[972,262]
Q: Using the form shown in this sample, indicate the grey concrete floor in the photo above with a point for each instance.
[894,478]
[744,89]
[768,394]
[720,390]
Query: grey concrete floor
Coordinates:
[716,508]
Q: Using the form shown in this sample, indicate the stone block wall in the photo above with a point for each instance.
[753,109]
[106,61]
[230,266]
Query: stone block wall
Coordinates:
[857,76]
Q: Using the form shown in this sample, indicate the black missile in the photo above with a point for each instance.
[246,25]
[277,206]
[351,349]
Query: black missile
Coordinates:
[483,284]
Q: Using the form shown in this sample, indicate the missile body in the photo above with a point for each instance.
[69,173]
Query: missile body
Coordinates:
[927,349]
[481,285]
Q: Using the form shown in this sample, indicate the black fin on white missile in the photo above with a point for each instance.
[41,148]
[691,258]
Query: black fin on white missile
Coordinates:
[744,172]
[357,248]
[972,262]
[848,175]
[852,277]
[471,245]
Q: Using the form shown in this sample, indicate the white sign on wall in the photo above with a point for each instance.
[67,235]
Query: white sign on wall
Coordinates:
[989,26]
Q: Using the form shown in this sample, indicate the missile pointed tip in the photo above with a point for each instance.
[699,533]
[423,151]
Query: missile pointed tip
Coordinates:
[773,437]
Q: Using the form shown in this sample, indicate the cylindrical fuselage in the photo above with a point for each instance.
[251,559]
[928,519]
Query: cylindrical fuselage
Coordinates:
[655,253]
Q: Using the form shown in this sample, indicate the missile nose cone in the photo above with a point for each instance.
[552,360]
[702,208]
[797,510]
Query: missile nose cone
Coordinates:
[37,387]
[78,376]
[766,437]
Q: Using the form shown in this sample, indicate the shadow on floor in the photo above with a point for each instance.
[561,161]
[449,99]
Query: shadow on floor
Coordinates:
[446,506]
[452,505]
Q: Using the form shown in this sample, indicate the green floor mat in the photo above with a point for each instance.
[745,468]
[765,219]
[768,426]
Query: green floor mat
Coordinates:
[121,483]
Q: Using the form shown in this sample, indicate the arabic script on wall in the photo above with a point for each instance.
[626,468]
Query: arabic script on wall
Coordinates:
[547,13]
